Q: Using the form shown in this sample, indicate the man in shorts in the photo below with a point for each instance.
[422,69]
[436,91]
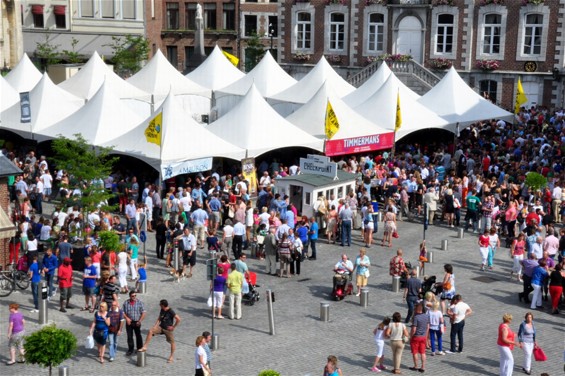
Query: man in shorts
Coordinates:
[187,242]
[166,323]
[418,335]
[88,285]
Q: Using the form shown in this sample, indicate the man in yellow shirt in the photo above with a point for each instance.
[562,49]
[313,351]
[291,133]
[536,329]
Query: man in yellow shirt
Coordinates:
[235,283]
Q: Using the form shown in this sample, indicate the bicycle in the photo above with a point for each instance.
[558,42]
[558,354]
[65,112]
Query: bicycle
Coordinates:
[9,279]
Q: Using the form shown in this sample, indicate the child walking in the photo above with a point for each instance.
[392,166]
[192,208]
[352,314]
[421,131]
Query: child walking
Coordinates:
[379,333]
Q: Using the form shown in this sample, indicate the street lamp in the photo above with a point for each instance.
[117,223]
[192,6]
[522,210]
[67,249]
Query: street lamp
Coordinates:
[271,32]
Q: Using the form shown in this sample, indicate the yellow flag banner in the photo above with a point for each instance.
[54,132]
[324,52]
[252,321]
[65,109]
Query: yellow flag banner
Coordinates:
[153,130]
[332,124]
[520,97]
[398,120]
[233,59]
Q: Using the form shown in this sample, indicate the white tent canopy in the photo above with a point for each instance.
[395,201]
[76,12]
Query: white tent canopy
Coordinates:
[455,101]
[254,126]
[101,119]
[8,95]
[48,104]
[215,72]
[381,107]
[24,76]
[269,78]
[182,139]
[311,117]
[160,78]
[87,81]
[372,85]
[289,100]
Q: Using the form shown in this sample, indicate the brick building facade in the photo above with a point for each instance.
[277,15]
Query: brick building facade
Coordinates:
[526,39]
[229,24]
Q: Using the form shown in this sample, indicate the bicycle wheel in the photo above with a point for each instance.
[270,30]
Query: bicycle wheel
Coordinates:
[22,279]
[6,286]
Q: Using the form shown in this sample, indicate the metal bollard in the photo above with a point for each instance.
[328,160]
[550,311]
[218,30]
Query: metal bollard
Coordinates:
[444,245]
[395,283]
[364,297]
[460,233]
[430,257]
[270,313]
[141,359]
[43,316]
[215,342]
[417,270]
[64,371]
[380,216]
[143,287]
[325,312]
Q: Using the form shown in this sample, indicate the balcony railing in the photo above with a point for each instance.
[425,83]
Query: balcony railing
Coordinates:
[409,2]
[408,67]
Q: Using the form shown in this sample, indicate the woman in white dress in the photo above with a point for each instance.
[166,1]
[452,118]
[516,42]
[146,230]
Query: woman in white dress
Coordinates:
[123,261]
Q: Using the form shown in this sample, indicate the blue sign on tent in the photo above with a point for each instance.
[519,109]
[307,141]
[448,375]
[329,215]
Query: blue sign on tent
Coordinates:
[142,236]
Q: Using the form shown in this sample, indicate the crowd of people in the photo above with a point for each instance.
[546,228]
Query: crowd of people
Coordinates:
[483,180]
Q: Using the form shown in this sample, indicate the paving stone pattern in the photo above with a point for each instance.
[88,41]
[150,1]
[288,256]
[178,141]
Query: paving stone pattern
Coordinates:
[302,341]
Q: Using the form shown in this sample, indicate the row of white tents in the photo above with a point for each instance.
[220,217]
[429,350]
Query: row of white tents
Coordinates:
[250,114]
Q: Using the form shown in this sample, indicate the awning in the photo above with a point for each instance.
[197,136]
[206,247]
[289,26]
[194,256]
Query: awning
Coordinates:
[37,9]
[7,228]
[59,10]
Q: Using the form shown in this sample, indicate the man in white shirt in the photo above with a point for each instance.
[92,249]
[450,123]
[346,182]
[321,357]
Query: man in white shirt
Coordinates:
[556,203]
[238,234]
[47,181]
[265,180]
[187,242]
[458,312]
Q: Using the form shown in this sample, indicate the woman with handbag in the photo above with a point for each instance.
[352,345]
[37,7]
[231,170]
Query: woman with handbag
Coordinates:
[99,329]
[527,338]
[506,342]
[201,359]
[446,288]
[398,335]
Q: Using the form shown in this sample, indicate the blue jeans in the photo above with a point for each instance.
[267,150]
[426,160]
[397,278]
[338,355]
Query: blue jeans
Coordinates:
[346,232]
[457,331]
[491,252]
[375,222]
[433,335]
[35,293]
[49,280]
[411,301]
[113,343]
[313,246]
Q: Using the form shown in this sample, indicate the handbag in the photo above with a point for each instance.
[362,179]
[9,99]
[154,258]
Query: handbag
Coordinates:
[539,354]
[367,274]
[395,234]
[209,301]
[89,342]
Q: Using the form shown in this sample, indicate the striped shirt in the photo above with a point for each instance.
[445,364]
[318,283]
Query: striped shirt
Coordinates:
[133,311]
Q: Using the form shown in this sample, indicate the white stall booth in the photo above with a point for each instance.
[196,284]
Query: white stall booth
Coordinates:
[317,176]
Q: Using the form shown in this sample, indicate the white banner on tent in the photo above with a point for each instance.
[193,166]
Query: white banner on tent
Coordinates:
[186,167]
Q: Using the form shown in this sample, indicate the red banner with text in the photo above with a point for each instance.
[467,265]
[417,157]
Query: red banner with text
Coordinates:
[359,144]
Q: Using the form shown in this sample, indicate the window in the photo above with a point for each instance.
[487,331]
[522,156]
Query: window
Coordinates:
[250,26]
[337,31]
[273,26]
[190,16]
[209,16]
[375,32]
[128,9]
[60,21]
[303,31]
[488,89]
[172,55]
[172,16]
[86,8]
[533,34]
[491,37]
[108,9]
[38,20]
[444,41]
[229,16]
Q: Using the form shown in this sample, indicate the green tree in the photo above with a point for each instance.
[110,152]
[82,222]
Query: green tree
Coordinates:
[47,53]
[254,52]
[535,181]
[87,167]
[72,55]
[110,241]
[129,52]
[50,347]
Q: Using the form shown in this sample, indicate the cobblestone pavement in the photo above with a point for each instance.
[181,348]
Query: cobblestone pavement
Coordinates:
[302,342]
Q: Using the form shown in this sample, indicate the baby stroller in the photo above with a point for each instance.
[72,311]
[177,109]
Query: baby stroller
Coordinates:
[342,285]
[428,285]
[252,295]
